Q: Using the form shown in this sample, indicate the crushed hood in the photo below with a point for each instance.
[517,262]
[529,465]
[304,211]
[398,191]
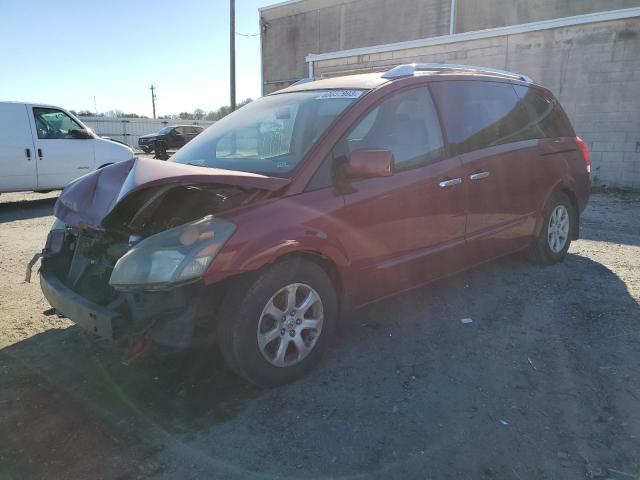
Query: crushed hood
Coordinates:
[88,200]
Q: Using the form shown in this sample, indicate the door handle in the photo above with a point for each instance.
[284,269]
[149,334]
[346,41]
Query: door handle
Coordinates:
[478,176]
[27,152]
[450,183]
[40,153]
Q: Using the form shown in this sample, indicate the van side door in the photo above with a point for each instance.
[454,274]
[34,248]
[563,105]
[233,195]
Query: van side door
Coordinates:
[406,229]
[486,124]
[17,150]
[61,157]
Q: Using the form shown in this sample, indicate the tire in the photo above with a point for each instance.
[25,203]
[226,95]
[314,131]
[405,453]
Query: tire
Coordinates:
[242,314]
[549,248]
[147,150]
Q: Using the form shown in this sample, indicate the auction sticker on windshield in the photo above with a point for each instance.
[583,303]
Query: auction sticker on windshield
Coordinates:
[340,94]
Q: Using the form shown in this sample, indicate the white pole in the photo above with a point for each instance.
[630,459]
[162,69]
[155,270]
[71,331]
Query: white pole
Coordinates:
[311,69]
[452,21]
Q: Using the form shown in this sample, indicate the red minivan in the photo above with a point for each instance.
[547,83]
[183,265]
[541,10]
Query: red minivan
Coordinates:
[322,197]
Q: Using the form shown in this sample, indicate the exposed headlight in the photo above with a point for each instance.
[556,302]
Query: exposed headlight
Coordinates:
[176,255]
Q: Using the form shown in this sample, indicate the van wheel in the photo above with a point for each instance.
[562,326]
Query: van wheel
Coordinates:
[274,325]
[554,240]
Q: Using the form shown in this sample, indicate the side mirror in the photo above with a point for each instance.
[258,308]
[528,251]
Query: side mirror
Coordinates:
[369,164]
[80,134]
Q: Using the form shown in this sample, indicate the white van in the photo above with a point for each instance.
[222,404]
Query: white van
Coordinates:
[43,147]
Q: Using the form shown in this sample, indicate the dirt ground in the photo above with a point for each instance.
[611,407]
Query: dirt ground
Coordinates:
[543,384]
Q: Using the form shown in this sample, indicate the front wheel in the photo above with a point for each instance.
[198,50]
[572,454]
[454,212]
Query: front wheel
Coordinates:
[274,326]
[554,239]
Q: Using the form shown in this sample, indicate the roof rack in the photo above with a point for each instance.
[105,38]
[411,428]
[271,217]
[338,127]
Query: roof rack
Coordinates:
[303,80]
[409,69]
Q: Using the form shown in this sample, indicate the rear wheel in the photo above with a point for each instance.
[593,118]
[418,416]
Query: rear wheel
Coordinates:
[554,239]
[274,326]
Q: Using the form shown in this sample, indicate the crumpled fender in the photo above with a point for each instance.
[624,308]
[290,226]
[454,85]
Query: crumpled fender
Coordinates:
[240,257]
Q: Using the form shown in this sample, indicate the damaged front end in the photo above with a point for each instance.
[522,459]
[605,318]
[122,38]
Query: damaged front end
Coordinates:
[128,264]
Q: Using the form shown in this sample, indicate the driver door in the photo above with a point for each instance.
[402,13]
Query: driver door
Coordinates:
[61,158]
[406,229]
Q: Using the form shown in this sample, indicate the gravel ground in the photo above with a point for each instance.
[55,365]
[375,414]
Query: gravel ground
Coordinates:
[543,384]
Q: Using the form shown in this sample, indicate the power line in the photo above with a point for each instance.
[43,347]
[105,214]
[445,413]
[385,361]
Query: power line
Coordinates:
[247,34]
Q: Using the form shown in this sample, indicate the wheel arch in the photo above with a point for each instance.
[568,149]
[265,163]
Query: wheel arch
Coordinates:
[324,262]
[331,267]
[566,187]
[571,194]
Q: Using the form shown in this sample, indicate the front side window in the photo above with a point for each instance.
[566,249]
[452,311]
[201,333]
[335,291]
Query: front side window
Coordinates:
[270,135]
[479,114]
[405,123]
[165,130]
[54,124]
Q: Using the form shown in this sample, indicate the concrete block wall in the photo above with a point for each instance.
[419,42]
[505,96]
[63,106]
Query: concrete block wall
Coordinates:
[593,69]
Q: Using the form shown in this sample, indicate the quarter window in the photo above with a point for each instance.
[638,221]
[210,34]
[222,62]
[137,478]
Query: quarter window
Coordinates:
[546,117]
[405,123]
[54,124]
[479,114]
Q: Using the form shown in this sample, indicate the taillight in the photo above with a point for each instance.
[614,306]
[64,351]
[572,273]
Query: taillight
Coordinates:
[584,151]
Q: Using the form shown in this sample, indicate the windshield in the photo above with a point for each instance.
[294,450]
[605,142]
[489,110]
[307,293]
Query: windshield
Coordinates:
[270,136]
[165,130]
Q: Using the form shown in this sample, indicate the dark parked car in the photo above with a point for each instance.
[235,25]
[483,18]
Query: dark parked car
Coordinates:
[173,137]
[312,201]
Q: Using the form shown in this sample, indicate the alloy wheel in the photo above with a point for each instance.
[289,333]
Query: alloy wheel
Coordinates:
[558,229]
[290,325]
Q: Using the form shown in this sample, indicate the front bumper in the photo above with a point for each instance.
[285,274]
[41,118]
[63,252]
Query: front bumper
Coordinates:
[168,318]
[92,317]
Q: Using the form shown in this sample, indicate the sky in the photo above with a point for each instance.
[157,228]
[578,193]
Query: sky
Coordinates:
[67,52]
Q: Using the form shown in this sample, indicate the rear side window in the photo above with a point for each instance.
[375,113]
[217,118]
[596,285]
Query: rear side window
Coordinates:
[405,123]
[546,117]
[480,114]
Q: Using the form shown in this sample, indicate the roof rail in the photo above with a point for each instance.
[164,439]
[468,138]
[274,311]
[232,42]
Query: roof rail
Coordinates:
[303,80]
[409,69]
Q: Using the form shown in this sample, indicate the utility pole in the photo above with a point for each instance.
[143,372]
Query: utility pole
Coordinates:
[153,100]
[232,52]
